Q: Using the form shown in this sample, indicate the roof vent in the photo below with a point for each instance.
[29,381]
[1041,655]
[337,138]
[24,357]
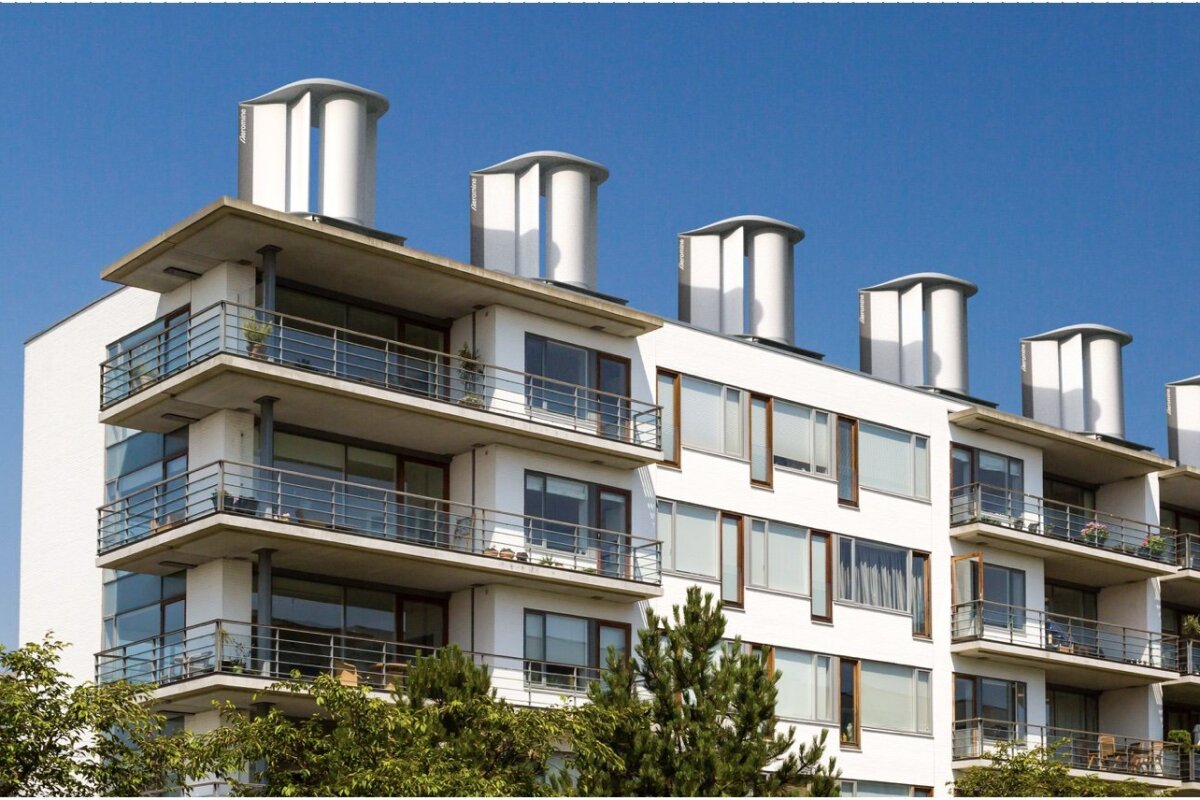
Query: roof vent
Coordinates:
[714,277]
[506,217]
[274,135]
[1072,378]
[1183,421]
[913,330]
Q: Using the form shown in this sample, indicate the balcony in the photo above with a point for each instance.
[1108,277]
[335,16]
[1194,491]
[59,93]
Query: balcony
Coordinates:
[1072,651]
[1119,757]
[1114,549]
[225,659]
[320,525]
[227,356]
[1183,587]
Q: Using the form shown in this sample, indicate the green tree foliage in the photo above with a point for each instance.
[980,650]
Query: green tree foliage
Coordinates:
[1038,772]
[445,734]
[57,738]
[709,726]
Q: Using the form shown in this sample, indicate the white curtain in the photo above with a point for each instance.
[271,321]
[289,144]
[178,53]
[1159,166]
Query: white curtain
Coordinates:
[696,540]
[887,696]
[795,684]
[881,576]
[793,435]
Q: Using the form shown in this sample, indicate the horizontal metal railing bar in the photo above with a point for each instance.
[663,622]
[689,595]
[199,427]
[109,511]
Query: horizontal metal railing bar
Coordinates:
[294,497]
[980,502]
[1097,751]
[1061,633]
[274,652]
[412,369]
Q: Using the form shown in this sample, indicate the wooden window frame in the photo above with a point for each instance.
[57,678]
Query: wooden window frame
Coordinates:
[673,459]
[829,588]
[594,624]
[856,742]
[595,490]
[769,411]
[852,501]
[928,610]
[741,556]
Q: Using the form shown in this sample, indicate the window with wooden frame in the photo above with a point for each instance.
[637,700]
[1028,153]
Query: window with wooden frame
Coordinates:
[847,461]
[732,555]
[848,710]
[668,399]
[568,652]
[761,433]
[821,560]
[921,591]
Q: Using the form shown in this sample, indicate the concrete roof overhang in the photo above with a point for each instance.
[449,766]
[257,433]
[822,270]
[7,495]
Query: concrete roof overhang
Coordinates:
[1069,455]
[355,263]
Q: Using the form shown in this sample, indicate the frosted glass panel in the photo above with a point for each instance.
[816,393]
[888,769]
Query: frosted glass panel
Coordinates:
[821,443]
[666,399]
[924,711]
[702,414]
[666,519]
[885,459]
[733,423]
[795,684]
[824,688]
[696,540]
[887,696]
[759,446]
[758,553]
[731,590]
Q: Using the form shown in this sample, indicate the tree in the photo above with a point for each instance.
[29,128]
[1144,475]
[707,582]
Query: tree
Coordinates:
[709,726]
[1038,772]
[82,740]
[445,733]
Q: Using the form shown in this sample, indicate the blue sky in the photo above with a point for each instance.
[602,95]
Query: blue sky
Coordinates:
[1050,154]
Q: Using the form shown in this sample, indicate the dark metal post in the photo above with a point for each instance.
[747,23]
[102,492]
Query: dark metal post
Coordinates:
[266,430]
[265,611]
[269,269]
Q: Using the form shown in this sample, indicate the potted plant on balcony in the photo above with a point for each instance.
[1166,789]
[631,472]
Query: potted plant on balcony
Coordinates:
[1155,545]
[256,335]
[470,371]
[1094,533]
[1184,740]
[507,554]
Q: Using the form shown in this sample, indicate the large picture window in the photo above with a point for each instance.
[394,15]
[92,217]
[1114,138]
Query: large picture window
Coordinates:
[574,381]
[895,697]
[689,536]
[893,461]
[578,517]
[778,556]
[801,438]
[566,652]
[872,574]
[713,417]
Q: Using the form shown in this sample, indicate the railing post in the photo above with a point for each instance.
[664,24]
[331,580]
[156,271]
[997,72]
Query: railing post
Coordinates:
[218,645]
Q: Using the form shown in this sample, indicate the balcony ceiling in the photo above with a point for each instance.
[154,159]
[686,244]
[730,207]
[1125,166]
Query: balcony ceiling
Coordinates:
[356,264]
[1069,455]
[1180,487]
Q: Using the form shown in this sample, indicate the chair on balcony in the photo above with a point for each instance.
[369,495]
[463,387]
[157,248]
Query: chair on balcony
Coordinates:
[1059,637]
[1105,752]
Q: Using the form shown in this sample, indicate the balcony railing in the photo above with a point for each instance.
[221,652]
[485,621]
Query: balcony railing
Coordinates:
[1189,657]
[1189,550]
[271,337]
[1058,633]
[385,514]
[1086,527]
[1084,750]
[275,652]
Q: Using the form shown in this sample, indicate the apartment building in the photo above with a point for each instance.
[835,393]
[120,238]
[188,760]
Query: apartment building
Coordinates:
[315,448]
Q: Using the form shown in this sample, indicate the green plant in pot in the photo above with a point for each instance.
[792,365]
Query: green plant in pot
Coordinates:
[470,371]
[1190,627]
[1155,545]
[256,334]
[1095,533]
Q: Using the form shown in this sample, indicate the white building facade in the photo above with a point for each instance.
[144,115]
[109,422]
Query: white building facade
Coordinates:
[314,448]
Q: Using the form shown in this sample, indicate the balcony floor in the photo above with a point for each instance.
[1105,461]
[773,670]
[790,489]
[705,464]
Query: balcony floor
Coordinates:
[313,400]
[1065,668]
[342,554]
[1065,560]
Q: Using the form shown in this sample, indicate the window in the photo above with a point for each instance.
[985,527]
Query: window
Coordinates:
[1001,479]
[801,437]
[1003,596]
[848,701]
[138,607]
[565,652]
[668,398]
[577,517]
[760,440]
[921,593]
[1071,710]
[712,417]
[895,697]
[689,534]
[148,354]
[731,559]
[873,574]
[847,461]
[805,685]
[822,577]
[881,789]
[145,486]
[989,699]
[778,556]
[578,382]
[893,461]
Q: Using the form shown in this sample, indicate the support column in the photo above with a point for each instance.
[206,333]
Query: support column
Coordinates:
[266,583]
[270,272]
[266,431]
